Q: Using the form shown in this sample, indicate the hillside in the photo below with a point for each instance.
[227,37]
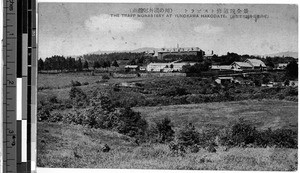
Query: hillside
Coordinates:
[143,49]
[76,146]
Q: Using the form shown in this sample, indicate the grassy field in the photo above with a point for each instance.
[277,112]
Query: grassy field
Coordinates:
[264,114]
[63,80]
[61,145]
[60,84]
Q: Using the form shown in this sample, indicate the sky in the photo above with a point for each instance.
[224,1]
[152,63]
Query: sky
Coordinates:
[79,28]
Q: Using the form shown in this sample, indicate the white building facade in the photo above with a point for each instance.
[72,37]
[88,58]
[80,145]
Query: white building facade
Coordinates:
[167,67]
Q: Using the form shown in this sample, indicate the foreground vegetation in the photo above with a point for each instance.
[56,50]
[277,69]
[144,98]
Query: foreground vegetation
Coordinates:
[62,144]
[91,120]
[75,146]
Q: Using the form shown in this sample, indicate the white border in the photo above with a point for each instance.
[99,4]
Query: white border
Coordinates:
[57,170]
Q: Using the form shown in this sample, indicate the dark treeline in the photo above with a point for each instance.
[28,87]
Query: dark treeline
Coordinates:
[130,58]
[60,63]
[229,58]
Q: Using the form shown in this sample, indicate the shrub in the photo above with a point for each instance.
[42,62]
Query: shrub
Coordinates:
[174,91]
[131,123]
[74,117]
[286,138]
[243,133]
[208,136]
[99,117]
[78,97]
[105,77]
[43,112]
[75,83]
[53,99]
[177,149]
[103,100]
[152,133]
[188,136]
[290,91]
[55,117]
[165,131]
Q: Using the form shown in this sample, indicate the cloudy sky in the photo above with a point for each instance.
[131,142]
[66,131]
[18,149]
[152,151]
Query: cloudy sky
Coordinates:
[79,28]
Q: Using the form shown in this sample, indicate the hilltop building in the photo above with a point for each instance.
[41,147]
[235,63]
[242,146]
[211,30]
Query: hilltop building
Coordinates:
[221,67]
[180,51]
[167,67]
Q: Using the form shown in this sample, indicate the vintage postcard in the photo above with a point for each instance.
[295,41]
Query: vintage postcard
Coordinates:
[168,86]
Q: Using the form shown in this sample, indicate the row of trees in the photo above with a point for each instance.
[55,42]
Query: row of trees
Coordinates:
[105,64]
[60,63]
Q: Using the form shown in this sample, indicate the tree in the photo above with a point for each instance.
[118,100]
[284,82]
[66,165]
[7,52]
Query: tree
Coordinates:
[86,65]
[106,64]
[78,97]
[115,63]
[40,65]
[243,132]
[70,64]
[131,123]
[96,65]
[79,65]
[269,62]
[292,70]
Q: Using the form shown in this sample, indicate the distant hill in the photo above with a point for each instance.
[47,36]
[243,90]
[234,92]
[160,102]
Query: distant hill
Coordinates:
[143,49]
[286,54]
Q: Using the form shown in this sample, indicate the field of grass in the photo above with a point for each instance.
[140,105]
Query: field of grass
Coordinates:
[62,145]
[63,80]
[263,113]
[60,84]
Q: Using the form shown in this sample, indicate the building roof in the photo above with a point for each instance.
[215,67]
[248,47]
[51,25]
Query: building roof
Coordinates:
[186,49]
[225,78]
[243,64]
[131,66]
[221,67]
[159,63]
[256,62]
[169,63]
[282,64]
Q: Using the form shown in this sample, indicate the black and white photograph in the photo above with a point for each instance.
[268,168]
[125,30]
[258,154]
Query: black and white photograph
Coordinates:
[167,86]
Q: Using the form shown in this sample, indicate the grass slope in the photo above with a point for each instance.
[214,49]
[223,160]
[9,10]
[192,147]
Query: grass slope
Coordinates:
[57,144]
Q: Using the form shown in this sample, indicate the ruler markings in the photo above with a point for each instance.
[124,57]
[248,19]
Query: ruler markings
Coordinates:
[18,45]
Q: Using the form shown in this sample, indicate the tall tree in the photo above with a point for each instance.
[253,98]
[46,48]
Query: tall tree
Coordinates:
[86,65]
[40,65]
[96,65]
[115,63]
[79,65]
[292,70]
